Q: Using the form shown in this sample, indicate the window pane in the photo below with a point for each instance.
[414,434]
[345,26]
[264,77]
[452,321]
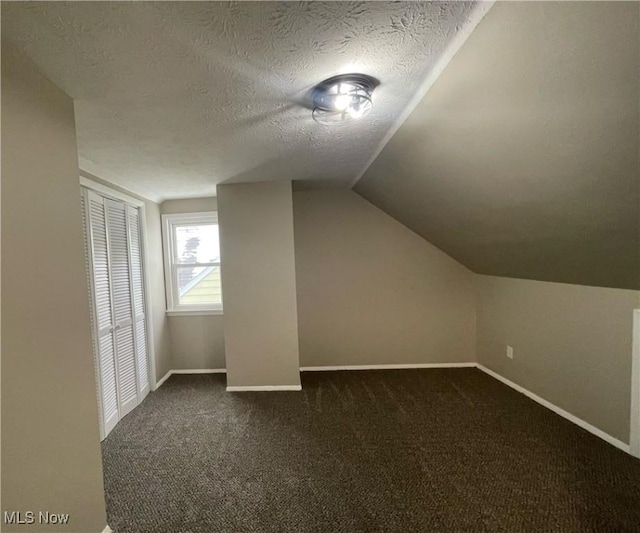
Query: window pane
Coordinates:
[199,285]
[197,243]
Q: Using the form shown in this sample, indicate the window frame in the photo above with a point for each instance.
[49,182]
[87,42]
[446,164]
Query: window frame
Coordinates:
[169,222]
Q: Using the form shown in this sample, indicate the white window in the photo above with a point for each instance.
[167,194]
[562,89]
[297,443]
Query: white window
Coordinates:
[192,263]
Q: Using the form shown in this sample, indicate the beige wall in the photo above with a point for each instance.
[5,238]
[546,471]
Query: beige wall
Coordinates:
[370,291]
[155,265]
[522,160]
[420,299]
[572,344]
[50,440]
[259,283]
[197,342]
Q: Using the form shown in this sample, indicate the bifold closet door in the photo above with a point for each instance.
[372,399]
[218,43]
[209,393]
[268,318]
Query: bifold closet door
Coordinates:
[114,261]
[102,313]
[137,293]
[121,287]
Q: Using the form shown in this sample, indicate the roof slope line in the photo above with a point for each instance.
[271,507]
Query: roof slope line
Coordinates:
[477,14]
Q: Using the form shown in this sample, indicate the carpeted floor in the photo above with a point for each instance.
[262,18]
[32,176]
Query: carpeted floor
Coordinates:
[364,451]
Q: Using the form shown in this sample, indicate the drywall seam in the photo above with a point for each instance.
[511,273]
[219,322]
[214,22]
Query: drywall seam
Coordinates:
[565,414]
[475,17]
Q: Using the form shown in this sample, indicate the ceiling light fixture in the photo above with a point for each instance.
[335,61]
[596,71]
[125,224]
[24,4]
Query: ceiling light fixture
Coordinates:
[342,98]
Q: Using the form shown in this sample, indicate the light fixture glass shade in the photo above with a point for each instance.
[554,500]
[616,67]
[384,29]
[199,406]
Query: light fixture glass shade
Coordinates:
[342,98]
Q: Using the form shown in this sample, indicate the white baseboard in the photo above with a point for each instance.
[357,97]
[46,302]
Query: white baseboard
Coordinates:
[107,530]
[162,380]
[190,371]
[385,367]
[558,410]
[200,371]
[565,414]
[265,388]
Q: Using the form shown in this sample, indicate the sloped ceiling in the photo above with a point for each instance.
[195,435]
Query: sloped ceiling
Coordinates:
[175,97]
[523,158]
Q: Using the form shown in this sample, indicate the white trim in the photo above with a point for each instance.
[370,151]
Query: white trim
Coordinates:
[634,433]
[87,182]
[476,15]
[162,380]
[190,371]
[200,371]
[108,191]
[107,529]
[204,312]
[565,414]
[148,307]
[170,267]
[572,418]
[95,333]
[194,217]
[195,308]
[134,317]
[265,388]
[385,367]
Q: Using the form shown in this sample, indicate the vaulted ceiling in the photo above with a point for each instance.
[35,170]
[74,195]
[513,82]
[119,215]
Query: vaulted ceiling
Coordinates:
[523,158]
[174,97]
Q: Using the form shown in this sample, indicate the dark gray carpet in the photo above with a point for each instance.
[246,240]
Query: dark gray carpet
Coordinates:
[392,451]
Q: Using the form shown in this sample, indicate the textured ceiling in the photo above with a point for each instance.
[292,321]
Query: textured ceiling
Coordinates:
[174,97]
[523,158]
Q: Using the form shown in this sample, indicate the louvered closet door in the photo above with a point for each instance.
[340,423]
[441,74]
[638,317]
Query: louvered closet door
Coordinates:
[122,305]
[102,313]
[137,293]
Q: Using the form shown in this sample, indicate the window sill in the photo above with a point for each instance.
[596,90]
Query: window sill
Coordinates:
[195,312]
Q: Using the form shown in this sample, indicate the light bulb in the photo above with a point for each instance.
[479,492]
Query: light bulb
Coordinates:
[342,101]
[342,98]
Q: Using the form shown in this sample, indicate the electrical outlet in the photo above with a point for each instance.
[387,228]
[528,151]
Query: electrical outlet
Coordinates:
[509,352]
